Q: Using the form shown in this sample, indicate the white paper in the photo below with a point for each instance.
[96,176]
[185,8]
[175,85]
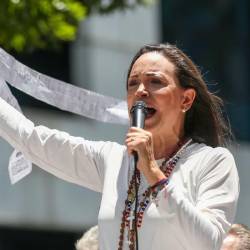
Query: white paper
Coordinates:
[61,94]
[19,167]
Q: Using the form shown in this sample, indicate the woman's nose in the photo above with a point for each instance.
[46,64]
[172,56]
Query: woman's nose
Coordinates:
[142,91]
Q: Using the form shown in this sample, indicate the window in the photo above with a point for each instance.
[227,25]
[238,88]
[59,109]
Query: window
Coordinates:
[216,36]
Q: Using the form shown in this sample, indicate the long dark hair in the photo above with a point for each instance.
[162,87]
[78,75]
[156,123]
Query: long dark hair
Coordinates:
[204,121]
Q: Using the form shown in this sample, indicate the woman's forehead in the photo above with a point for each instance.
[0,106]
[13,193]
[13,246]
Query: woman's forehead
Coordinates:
[152,62]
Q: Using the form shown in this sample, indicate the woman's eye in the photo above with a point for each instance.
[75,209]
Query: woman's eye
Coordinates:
[132,83]
[156,81]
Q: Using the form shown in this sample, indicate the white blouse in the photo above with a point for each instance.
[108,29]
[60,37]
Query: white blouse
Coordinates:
[194,211]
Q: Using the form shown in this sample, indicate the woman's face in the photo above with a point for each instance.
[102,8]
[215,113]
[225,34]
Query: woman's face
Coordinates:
[153,80]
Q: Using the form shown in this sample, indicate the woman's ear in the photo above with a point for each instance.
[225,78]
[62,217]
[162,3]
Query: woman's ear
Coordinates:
[188,99]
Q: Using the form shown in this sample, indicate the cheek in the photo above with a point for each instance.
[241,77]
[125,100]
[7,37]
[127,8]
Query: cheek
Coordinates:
[169,104]
[167,98]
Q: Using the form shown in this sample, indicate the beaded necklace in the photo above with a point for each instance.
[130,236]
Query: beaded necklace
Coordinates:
[128,217]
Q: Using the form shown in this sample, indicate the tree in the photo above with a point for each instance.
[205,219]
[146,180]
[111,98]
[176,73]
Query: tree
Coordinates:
[34,24]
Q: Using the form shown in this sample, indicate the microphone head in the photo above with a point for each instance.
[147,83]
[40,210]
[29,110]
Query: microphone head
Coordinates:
[138,114]
[139,105]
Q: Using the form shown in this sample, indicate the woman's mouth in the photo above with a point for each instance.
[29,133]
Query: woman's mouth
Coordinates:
[150,112]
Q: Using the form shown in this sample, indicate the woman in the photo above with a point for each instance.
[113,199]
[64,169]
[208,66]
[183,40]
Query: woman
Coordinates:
[188,184]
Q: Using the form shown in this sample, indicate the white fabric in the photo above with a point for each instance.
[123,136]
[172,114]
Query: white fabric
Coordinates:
[195,210]
[18,167]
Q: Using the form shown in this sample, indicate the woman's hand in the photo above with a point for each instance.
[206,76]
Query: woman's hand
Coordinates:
[141,141]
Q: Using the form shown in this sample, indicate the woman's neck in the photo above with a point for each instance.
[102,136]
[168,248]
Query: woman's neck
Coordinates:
[164,147]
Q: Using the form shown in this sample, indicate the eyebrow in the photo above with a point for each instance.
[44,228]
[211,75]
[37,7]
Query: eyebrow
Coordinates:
[148,74]
[153,74]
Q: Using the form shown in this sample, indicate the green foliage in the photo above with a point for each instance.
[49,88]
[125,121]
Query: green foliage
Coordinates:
[30,24]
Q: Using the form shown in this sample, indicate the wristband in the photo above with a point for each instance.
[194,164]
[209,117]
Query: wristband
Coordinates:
[159,183]
[157,188]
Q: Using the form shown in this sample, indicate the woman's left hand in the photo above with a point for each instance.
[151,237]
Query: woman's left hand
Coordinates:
[141,141]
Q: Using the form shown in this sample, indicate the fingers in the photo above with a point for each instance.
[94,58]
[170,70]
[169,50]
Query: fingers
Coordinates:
[138,133]
[138,140]
[135,143]
[135,129]
[135,137]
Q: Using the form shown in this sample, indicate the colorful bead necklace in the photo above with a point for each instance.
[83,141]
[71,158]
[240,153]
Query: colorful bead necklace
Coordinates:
[128,217]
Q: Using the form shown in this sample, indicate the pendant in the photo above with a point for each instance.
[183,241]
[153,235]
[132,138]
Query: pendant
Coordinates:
[131,197]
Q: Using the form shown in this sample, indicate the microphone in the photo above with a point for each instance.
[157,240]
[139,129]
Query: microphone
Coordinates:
[138,112]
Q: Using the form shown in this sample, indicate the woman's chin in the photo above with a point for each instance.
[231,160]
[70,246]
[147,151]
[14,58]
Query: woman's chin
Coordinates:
[150,123]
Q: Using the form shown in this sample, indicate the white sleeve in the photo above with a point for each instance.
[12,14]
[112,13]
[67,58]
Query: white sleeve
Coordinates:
[70,158]
[203,225]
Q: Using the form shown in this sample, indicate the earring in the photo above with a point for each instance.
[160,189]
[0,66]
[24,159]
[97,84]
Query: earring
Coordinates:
[183,110]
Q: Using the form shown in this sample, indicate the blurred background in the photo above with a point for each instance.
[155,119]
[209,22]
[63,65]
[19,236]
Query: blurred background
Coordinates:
[90,44]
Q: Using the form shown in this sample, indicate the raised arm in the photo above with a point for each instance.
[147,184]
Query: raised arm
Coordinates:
[70,158]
